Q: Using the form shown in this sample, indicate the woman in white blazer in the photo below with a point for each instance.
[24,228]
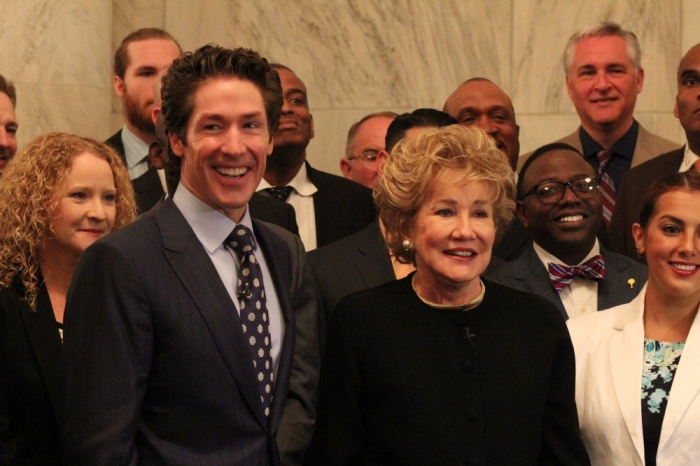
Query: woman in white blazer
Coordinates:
[637,376]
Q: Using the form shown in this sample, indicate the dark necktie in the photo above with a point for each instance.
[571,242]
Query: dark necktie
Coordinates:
[253,306]
[281,193]
[561,275]
[607,185]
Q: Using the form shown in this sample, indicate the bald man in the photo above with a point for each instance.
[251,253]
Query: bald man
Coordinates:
[481,103]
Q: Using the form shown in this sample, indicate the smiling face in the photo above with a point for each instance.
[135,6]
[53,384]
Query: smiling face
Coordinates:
[688,98]
[227,145]
[86,209]
[148,61]
[603,83]
[671,243]
[452,234]
[568,228]
[482,104]
[296,126]
[8,131]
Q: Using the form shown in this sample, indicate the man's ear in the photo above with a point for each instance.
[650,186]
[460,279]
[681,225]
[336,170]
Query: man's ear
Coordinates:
[119,86]
[346,168]
[382,157]
[313,132]
[176,146]
[155,158]
[520,212]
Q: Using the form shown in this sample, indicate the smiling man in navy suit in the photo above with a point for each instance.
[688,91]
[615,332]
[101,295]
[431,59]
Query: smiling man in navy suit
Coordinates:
[190,335]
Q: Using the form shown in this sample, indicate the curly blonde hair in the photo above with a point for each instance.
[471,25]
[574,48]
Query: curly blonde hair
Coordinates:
[416,163]
[29,196]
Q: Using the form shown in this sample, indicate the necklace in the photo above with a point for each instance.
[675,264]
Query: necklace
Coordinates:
[452,307]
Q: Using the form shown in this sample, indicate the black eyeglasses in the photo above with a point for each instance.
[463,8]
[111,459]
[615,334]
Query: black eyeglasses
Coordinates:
[551,192]
[368,158]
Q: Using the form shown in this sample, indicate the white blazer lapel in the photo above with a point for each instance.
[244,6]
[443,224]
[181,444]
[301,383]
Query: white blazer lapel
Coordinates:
[686,384]
[626,365]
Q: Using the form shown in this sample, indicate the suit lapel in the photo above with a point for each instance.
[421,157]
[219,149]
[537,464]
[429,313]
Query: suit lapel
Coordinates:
[615,284]
[46,343]
[686,384]
[626,366]
[535,279]
[191,263]
[325,212]
[279,263]
[374,265]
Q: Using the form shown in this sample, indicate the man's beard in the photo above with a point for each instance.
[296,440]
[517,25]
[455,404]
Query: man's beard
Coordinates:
[140,118]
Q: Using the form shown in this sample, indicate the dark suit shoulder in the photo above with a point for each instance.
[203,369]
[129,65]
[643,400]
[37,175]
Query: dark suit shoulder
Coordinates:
[271,210]
[653,169]
[115,142]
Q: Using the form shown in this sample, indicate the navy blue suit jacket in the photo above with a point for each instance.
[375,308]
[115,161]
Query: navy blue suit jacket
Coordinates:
[156,369]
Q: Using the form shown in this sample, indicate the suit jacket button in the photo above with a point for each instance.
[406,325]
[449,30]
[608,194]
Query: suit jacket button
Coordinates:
[467,365]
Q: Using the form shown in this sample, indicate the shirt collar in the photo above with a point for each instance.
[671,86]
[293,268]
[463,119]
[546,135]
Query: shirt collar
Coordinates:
[623,147]
[546,257]
[301,183]
[689,158]
[209,225]
[135,150]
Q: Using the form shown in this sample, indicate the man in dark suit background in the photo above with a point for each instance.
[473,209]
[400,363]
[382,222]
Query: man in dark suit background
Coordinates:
[637,180]
[139,62]
[481,103]
[179,346]
[328,207]
[560,203]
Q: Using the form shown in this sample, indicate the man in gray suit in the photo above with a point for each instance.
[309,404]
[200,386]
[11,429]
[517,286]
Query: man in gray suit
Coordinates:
[560,203]
[604,74]
[190,335]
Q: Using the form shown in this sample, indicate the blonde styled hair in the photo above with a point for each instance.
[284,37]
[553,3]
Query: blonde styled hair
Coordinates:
[30,190]
[416,163]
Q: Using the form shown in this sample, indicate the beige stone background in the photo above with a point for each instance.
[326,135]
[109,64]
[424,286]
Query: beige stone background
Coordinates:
[355,56]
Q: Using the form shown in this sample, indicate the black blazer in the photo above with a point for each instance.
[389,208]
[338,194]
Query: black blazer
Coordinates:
[527,273]
[629,199]
[342,207]
[161,374]
[29,380]
[147,187]
[359,262]
[402,384]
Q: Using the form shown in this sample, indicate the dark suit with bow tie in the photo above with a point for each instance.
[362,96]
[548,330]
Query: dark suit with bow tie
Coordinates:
[527,273]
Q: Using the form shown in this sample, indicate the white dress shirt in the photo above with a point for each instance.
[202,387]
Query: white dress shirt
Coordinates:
[300,198]
[581,296]
[689,158]
[211,228]
[135,152]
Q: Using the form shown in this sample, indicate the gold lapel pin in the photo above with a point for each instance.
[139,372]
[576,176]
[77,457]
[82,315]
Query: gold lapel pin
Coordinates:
[631,282]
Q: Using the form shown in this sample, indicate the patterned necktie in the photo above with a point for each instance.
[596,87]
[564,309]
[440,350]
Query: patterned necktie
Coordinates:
[253,306]
[281,193]
[607,185]
[561,275]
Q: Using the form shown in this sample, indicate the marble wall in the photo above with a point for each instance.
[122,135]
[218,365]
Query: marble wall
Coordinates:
[355,56]
[57,52]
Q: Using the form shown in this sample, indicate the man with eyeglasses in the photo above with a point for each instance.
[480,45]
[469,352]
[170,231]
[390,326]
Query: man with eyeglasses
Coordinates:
[365,141]
[560,202]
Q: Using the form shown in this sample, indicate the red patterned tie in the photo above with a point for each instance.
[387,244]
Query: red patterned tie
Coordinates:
[607,186]
[561,275]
